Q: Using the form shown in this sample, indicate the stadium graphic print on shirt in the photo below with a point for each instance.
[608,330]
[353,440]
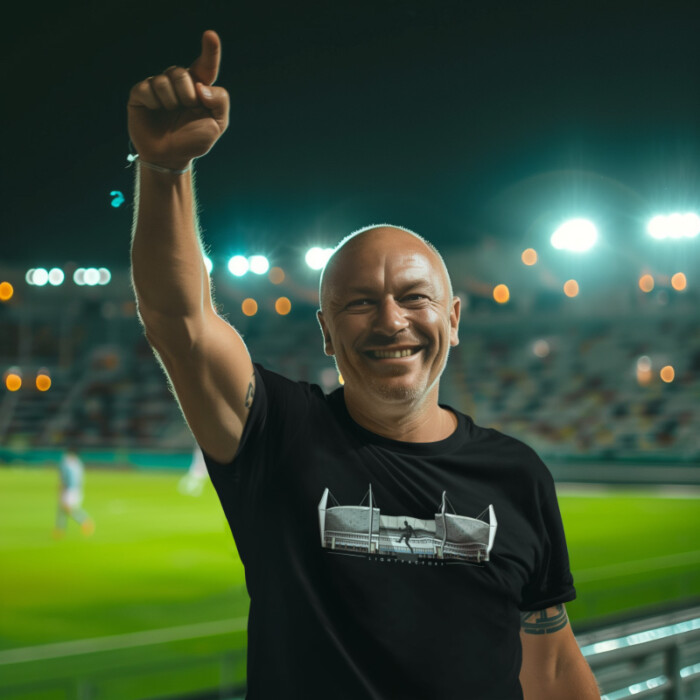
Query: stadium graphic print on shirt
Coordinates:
[363,530]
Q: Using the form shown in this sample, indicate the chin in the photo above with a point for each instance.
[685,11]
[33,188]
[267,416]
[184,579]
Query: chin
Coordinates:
[395,391]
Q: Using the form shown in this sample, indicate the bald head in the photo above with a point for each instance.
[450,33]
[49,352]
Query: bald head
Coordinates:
[397,238]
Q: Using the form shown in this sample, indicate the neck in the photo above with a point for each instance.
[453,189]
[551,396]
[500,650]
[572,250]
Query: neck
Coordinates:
[426,422]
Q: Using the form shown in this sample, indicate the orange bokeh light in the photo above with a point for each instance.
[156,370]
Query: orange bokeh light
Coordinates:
[679,281]
[6,291]
[283,306]
[43,382]
[667,374]
[571,288]
[13,381]
[276,275]
[644,376]
[646,283]
[501,293]
[529,256]
[249,307]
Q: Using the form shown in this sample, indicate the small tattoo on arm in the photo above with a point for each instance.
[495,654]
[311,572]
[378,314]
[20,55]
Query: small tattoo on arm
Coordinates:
[249,395]
[544,621]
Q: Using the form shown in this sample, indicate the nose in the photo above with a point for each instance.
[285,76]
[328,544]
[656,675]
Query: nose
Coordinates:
[390,317]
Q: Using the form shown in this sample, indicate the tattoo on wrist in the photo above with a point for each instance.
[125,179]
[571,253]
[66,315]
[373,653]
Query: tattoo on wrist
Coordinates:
[249,395]
[544,621]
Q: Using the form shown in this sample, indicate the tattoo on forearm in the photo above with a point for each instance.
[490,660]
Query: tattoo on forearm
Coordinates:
[544,621]
[250,393]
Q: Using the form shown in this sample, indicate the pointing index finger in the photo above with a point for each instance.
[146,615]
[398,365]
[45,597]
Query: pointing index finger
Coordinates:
[206,66]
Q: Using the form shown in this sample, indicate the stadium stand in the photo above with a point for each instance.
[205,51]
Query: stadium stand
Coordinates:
[567,383]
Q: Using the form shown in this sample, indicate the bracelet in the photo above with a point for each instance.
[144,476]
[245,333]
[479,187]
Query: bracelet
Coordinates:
[160,168]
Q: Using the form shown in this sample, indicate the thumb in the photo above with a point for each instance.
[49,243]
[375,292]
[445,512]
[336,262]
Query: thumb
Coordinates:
[206,65]
[216,100]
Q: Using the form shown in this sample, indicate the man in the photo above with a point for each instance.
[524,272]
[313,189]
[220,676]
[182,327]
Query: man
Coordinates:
[70,495]
[351,616]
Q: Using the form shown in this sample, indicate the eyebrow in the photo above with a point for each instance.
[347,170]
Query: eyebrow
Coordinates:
[409,286]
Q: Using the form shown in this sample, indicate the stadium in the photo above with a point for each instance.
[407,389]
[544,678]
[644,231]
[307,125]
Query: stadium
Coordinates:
[566,205]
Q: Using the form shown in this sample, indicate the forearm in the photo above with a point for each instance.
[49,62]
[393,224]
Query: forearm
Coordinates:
[573,680]
[168,270]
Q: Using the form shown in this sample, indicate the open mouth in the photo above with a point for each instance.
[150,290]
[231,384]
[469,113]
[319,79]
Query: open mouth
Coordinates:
[392,354]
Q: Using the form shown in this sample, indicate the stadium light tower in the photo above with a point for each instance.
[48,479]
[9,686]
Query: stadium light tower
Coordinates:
[258,264]
[674,226]
[575,235]
[316,258]
[238,265]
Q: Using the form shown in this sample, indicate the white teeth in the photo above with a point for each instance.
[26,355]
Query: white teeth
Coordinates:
[384,354]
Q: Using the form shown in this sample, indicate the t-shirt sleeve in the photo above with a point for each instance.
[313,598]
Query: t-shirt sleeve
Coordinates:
[551,582]
[275,424]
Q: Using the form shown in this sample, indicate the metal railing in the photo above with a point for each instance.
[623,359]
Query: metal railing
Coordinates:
[657,657]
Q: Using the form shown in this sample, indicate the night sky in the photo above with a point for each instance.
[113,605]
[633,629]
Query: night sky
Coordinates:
[458,119]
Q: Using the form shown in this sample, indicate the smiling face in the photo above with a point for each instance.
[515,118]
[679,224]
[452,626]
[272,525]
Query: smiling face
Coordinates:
[388,318]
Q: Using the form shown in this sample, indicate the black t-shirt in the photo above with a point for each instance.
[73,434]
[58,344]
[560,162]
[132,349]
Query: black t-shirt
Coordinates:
[376,568]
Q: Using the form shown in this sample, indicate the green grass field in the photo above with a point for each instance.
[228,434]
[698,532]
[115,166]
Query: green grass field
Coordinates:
[160,560]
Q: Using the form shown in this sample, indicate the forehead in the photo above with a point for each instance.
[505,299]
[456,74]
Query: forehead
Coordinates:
[383,258]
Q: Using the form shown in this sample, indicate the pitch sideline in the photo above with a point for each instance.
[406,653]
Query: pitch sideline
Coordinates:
[121,641]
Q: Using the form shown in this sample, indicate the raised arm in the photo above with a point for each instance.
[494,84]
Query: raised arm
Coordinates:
[173,118]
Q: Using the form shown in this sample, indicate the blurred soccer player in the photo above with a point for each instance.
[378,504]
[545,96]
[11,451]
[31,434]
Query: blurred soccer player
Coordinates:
[70,495]
[193,482]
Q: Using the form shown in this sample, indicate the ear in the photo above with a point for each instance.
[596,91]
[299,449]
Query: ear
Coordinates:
[454,321]
[327,342]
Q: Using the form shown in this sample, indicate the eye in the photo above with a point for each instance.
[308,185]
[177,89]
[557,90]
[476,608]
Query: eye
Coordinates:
[360,302]
[413,298]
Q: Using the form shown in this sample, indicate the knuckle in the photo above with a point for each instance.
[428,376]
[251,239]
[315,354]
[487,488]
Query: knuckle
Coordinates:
[159,80]
[180,74]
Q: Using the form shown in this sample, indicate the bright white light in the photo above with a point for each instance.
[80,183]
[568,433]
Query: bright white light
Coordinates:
[56,276]
[92,276]
[40,276]
[79,276]
[29,276]
[259,264]
[657,227]
[691,224]
[208,264]
[576,235]
[316,258]
[238,265]
[644,363]
[674,225]
[105,276]
[541,348]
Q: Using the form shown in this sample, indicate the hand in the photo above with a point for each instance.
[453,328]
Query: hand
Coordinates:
[177,116]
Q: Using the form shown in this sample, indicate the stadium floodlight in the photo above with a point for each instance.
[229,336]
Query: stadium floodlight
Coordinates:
[674,226]
[259,264]
[575,235]
[40,277]
[238,265]
[79,276]
[92,276]
[56,276]
[208,264]
[316,258]
[105,276]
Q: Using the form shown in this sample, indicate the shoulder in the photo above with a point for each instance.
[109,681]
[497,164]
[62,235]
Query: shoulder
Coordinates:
[508,452]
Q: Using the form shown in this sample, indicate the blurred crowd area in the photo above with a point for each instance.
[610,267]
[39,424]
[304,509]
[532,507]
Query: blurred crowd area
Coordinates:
[583,381]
